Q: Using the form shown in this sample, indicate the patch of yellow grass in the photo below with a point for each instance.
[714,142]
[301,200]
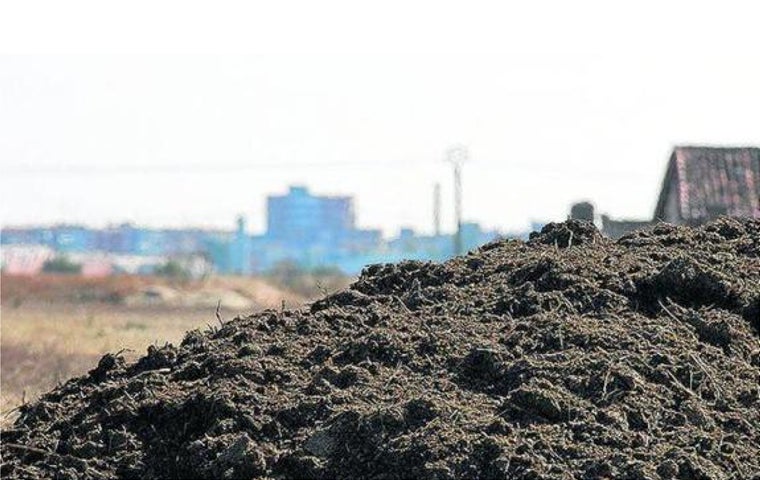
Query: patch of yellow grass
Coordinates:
[43,344]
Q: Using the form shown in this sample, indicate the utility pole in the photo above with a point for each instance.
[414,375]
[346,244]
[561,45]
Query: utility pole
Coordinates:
[437,209]
[457,155]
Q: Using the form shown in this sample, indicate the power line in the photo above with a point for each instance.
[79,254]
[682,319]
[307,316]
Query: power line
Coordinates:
[547,171]
[197,168]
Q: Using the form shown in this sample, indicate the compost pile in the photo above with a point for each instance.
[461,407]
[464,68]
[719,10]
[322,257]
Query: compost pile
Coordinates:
[570,356]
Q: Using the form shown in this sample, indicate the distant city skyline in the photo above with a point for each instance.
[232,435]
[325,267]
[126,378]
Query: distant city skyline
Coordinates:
[303,229]
[231,226]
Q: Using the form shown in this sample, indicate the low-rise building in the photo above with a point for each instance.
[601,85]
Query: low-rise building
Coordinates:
[703,183]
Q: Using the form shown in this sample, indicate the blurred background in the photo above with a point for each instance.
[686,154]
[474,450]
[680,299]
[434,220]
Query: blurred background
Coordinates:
[161,160]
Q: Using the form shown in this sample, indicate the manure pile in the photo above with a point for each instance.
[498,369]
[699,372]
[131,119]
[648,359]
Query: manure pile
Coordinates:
[569,356]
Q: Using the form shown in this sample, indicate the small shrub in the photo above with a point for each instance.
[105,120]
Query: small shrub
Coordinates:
[172,269]
[311,283]
[61,264]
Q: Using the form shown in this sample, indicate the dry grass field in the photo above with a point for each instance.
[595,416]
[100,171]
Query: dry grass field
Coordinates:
[43,344]
[55,327]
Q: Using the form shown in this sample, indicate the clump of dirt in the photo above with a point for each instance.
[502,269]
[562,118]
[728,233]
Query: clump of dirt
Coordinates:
[567,357]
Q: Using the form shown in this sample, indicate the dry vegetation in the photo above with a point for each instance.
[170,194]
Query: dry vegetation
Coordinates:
[46,344]
[54,327]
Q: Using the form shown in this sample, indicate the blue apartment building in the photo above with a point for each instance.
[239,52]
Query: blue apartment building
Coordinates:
[62,238]
[312,231]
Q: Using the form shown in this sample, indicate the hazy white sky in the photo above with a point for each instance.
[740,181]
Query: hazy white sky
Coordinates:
[557,101]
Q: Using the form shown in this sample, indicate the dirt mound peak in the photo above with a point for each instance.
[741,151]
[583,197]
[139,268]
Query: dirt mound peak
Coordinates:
[566,234]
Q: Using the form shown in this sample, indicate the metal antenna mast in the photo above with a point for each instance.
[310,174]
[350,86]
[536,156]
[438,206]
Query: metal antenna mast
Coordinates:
[437,209]
[457,155]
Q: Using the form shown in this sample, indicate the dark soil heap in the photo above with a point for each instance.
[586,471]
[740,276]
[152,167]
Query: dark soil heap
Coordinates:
[567,357]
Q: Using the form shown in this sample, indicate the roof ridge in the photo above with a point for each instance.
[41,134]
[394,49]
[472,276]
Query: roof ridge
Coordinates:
[715,147]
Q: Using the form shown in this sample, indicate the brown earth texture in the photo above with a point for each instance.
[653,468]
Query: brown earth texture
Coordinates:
[570,356]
